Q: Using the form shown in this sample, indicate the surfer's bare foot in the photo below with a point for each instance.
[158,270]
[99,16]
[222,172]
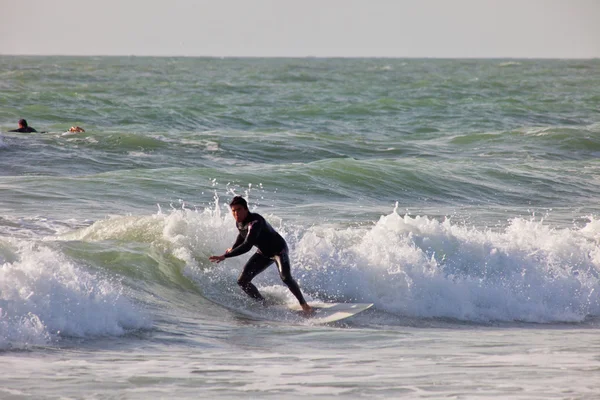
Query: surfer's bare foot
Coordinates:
[307,310]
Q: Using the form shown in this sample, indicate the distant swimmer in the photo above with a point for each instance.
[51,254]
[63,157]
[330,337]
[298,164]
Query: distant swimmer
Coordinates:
[23,127]
[254,230]
[73,130]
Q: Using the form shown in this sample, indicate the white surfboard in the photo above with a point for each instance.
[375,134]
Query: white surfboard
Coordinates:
[332,312]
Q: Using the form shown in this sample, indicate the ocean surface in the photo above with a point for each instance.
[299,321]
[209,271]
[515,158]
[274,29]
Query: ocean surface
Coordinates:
[461,197]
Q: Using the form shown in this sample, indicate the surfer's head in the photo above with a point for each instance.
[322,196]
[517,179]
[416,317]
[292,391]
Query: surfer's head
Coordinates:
[22,123]
[239,200]
[239,208]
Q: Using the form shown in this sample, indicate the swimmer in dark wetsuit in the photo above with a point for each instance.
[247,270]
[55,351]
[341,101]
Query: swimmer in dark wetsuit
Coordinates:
[23,128]
[254,230]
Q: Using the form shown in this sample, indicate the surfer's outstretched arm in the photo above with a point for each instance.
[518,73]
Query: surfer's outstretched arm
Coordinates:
[254,230]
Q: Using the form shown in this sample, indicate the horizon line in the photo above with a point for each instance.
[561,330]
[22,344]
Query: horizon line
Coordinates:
[311,57]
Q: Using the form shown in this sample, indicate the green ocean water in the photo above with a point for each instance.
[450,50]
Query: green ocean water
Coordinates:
[458,196]
[446,134]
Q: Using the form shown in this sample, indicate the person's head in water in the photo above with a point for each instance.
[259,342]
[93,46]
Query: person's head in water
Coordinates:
[239,208]
[23,127]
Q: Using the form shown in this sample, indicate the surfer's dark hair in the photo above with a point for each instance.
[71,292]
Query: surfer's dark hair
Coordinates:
[239,200]
[23,122]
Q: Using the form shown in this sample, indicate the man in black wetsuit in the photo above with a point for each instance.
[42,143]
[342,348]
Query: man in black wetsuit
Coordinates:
[23,128]
[254,230]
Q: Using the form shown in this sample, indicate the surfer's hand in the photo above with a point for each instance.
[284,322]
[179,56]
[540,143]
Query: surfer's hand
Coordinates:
[216,259]
[228,250]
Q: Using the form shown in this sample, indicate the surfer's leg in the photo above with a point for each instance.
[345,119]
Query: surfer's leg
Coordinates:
[283,265]
[255,265]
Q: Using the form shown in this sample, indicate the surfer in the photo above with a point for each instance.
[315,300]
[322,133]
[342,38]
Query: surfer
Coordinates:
[23,127]
[76,129]
[254,230]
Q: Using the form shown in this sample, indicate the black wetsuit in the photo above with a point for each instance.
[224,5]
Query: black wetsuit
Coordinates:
[256,231]
[26,129]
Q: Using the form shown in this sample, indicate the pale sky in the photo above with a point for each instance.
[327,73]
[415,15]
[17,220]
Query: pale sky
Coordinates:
[300,28]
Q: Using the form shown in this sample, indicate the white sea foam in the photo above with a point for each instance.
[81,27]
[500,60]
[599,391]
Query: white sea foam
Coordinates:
[421,267]
[509,64]
[426,268]
[43,295]
[137,154]
[408,266]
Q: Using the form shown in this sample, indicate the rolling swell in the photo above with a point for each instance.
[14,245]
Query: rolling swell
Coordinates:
[408,266]
[116,275]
